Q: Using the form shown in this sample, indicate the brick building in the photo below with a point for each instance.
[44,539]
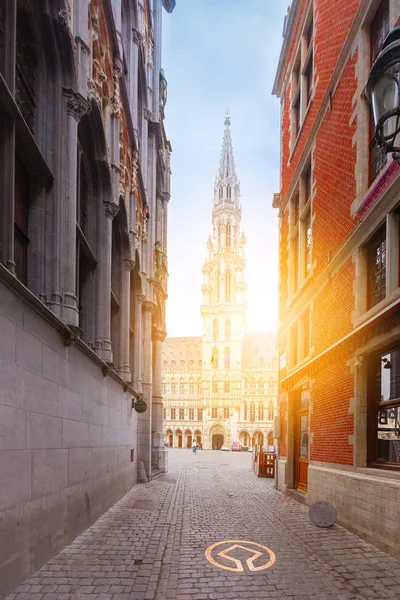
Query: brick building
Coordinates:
[84,180]
[339,334]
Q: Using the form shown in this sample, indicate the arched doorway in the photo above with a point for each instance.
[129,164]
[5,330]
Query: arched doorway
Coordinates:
[197,436]
[169,438]
[270,439]
[178,438]
[217,436]
[258,439]
[188,438]
[244,438]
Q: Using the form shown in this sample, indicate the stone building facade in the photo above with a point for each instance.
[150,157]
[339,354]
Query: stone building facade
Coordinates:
[221,387]
[85,180]
[339,334]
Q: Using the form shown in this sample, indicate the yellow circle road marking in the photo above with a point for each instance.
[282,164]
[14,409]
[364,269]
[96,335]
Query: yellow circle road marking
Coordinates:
[242,545]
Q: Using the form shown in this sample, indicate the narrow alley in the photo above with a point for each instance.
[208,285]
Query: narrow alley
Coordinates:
[153,543]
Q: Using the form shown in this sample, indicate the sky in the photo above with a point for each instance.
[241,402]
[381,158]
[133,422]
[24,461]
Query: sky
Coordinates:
[220,54]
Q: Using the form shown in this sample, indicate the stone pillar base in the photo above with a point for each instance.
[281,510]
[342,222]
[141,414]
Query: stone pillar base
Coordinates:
[141,473]
[159,458]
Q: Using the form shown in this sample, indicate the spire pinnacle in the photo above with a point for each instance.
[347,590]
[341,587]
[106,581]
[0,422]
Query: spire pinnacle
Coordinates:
[227,118]
[227,172]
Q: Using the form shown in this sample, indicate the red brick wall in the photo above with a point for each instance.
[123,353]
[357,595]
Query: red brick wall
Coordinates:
[330,421]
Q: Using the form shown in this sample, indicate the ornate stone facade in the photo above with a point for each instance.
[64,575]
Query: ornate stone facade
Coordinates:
[82,309]
[221,387]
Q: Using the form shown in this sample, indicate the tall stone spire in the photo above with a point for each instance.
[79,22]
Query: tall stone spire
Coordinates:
[226,183]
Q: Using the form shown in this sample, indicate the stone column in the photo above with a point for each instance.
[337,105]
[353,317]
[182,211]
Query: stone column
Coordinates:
[138,372]
[76,108]
[144,420]
[124,369]
[158,450]
[104,290]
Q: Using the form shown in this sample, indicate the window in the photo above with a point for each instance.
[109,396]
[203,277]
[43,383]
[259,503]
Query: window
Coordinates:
[215,330]
[227,330]
[252,387]
[226,413]
[191,386]
[181,414]
[384,409]
[293,337]
[379,30]
[181,387]
[164,388]
[306,221]
[270,411]
[376,257]
[227,358]
[260,412]
[182,365]
[199,414]
[26,69]
[220,193]
[245,412]
[271,385]
[228,192]
[305,334]
[173,387]
[215,387]
[199,387]
[214,359]
[302,77]
[252,412]
[21,241]
[165,414]
[228,286]
[294,243]
[173,414]
[191,414]
[308,74]
[214,412]
[261,386]
[227,386]
[228,236]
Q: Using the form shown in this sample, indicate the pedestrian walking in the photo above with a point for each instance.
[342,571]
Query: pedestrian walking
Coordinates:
[194,447]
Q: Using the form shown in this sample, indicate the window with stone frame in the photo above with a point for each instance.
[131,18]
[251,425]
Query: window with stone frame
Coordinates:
[270,411]
[252,412]
[191,414]
[226,412]
[199,414]
[227,386]
[294,344]
[173,387]
[181,386]
[376,265]
[181,414]
[173,414]
[302,78]
[383,447]
[21,205]
[245,412]
[261,412]
[214,412]
[117,266]
[228,236]
[261,385]
[227,330]
[165,414]
[26,68]
[228,286]
[199,387]
[304,334]
[191,386]
[378,31]
[215,330]
[215,387]
[271,385]
[300,228]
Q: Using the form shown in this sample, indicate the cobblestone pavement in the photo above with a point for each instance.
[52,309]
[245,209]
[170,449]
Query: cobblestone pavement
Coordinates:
[152,544]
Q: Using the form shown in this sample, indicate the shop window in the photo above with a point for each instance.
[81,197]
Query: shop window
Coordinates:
[384,409]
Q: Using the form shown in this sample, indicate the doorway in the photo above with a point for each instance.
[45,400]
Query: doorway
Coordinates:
[179,437]
[217,441]
[301,450]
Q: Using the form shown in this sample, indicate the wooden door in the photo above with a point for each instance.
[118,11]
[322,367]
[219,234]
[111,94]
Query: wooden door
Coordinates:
[217,441]
[189,440]
[171,440]
[301,453]
[179,440]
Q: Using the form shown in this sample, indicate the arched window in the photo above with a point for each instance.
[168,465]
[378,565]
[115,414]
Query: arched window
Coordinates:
[191,386]
[215,330]
[228,287]
[181,386]
[199,387]
[214,358]
[227,358]
[227,386]
[228,235]
[173,387]
[215,386]
[228,192]
[227,330]
[261,386]
[261,412]
[271,385]
[252,412]
[245,412]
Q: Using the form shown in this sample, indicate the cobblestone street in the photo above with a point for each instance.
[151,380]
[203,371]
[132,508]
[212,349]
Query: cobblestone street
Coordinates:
[152,544]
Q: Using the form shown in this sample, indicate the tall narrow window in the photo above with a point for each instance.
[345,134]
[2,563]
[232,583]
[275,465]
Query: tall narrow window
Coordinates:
[181,387]
[261,386]
[376,252]
[294,243]
[215,330]
[215,386]
[309,62]
[293,336]
[379,30]
[25,69]
[271,385]
[199,414]
[261,412]
[306,221]
[228,236]
[220,193]
[173,387]
[181,414]
[214,358]
[227,330]
[227,386]
[191,386]
[228,192]
[226,412]
[214,412]
[228,287]
[227,358]
[252,412]
[21,241]
[116,284]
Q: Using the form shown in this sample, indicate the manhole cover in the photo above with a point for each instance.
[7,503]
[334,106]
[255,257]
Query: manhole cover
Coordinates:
[322,514]
[149,505]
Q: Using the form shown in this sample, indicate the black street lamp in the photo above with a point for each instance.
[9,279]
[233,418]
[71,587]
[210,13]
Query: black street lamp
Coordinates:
[382,91]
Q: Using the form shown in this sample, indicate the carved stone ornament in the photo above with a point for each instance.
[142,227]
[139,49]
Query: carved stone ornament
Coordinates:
[129,264]
[111,209]
[77,106]
[147,114]
[117,69]
[137,37]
